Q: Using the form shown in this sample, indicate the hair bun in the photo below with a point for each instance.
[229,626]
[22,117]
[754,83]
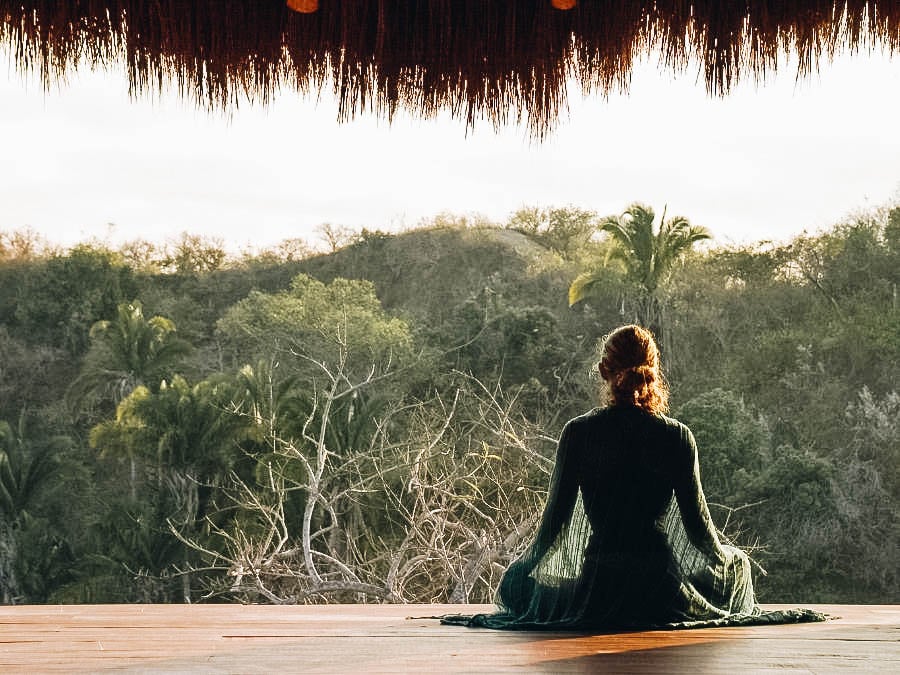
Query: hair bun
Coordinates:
[633,379]
[630,365]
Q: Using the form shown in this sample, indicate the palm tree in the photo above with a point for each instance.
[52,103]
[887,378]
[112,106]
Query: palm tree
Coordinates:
[182,428]
[127,352]
[648,253]
[192,436]
[28,468]
[29,471]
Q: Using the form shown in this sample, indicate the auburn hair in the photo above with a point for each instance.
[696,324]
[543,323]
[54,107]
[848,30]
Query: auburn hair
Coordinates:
[629,363]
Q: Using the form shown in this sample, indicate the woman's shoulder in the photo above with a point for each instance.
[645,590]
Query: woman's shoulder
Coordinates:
[588,417]
[673,423]
[593,419]
[610,413]
[678,431]
[663,428]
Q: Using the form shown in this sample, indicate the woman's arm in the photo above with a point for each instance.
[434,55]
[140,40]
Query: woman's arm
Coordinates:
[561,497]
[517,587]
[692,502]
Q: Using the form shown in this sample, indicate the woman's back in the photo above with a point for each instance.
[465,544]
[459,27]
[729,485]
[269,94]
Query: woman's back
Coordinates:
[626,538]
[627,459]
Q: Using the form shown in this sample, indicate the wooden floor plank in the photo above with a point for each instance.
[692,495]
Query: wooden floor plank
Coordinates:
[406,638]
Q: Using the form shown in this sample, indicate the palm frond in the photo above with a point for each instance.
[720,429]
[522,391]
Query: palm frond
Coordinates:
[581,287]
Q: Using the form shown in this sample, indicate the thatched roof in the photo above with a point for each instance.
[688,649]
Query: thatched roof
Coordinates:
[476,58]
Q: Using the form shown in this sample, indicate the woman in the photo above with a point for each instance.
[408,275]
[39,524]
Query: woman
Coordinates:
[626,539]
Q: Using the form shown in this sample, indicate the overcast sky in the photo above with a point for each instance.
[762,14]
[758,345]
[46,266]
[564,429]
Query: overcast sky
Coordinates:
[766,162]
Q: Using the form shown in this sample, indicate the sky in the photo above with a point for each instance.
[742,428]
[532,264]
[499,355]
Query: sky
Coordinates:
[84,161]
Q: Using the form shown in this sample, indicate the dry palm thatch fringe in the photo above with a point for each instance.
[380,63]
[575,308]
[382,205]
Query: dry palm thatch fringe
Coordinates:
[498,59]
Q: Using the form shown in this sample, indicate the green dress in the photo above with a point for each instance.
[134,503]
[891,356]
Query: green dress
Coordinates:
[626,539]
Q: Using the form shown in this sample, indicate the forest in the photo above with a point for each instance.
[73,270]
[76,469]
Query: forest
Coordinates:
[377,422]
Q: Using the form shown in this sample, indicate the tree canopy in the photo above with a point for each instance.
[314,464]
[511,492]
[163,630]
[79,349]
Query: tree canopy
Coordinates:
[378,422]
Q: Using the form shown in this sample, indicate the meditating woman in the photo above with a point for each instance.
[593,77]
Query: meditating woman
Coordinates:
[626,539]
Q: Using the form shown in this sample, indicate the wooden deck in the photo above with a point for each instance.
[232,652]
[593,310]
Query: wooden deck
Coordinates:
[403,638]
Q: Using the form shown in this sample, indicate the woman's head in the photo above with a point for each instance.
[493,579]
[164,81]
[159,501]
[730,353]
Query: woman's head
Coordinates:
[629,364]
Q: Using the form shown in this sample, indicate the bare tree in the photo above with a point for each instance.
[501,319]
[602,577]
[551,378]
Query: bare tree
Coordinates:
[432,505]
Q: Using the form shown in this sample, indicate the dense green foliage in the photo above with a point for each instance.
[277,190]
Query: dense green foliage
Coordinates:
[169,418]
